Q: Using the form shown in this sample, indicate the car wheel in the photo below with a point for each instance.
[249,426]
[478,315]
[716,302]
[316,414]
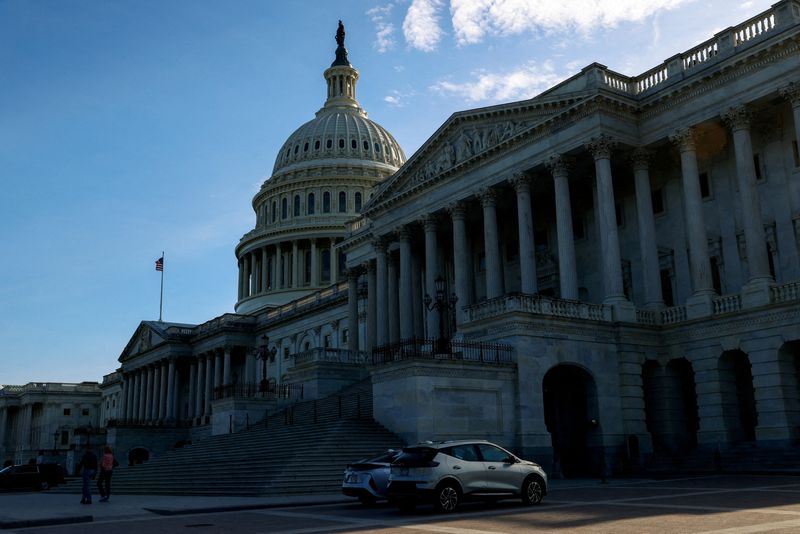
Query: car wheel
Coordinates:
[447,497]
[367,500]
[532,491]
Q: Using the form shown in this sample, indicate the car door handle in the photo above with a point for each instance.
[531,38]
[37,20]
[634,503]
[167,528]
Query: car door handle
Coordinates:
[456,467]
[492,467]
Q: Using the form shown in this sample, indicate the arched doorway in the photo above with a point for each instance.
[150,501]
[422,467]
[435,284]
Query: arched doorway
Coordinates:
[570,414]
[789,361]
[138,455]
[738,395]
[670,405]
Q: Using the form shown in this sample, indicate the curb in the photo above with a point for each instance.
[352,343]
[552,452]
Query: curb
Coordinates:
[241,507]
[45,522]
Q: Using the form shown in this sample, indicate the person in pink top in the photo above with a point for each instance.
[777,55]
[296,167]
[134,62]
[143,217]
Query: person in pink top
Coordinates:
[107,465]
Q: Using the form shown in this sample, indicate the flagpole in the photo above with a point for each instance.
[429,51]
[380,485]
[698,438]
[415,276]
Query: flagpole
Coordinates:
[161,298]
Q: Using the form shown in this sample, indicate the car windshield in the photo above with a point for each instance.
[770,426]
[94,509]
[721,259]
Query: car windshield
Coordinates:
[5,470]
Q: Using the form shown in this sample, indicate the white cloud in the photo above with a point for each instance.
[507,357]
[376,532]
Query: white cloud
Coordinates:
[397,98]
[392,100]
[421,25]
[384,30]
[474,19]
[524,82]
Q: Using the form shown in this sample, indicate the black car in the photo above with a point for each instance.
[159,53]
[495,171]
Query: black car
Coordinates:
[26,477]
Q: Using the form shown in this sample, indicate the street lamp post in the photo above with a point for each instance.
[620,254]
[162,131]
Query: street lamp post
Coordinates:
[263,354]
[441,303]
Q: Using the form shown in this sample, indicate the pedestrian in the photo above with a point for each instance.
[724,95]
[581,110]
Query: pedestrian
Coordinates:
[107,465]
[88,466]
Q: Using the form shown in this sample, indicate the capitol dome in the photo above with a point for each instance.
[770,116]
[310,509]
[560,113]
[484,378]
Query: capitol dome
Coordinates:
[323,174]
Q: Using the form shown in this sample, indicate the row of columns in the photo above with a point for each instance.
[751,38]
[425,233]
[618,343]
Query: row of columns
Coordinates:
[276,267]
[150,393]
[381,281]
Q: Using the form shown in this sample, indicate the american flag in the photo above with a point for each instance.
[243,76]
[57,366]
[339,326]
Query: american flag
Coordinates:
[160,264]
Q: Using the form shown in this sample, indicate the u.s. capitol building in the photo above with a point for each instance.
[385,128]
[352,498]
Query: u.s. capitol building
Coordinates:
[605,273]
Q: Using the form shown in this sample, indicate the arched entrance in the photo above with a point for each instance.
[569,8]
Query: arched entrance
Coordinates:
[670,405]
[789,361]
[138,455]
[570,414]
[738,396]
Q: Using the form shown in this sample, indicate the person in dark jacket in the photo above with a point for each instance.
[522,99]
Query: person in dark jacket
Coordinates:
[88,467]
[107,465]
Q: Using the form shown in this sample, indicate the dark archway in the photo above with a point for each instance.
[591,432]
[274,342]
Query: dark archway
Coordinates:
[789,365]
[570,414]
[738,395]
[138,455]
[670,405]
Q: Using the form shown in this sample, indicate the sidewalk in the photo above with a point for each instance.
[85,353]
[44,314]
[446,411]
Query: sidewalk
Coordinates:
[22,510]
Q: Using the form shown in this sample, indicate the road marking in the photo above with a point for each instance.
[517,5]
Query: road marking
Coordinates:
[763,527]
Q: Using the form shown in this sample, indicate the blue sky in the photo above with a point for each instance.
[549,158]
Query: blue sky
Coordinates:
[132,127]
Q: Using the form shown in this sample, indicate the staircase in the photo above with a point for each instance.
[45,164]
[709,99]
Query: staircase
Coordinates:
[301,450]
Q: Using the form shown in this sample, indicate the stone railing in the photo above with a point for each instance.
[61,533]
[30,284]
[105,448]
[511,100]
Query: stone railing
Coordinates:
[727,304]
[781,15]
[329,355]
[318,297]
[786,292]
[648,317]
[675,314]
[355,226]
[227,319]
[538,305]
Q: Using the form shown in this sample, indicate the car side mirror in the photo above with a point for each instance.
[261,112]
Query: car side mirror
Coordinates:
[510,460]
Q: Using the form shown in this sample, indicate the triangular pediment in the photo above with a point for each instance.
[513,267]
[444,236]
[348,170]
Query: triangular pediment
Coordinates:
[467,136]
[145,338]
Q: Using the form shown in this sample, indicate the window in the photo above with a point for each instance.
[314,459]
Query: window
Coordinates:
[327,341]
[342,202]
[705,185]
[306,346]
[353,144]
[305,147]
[274,210]
[358,201]
[85,411]
[329,143]
[716,279]
[296,148]
[113,403]
[657,201]
[366,145]
[666,287]
[463,452]
[377,148]
[578,228]
[284,208]
[285,353]
[316,144]
[307,267]
[65,437]
[297,205]
[492,454]
[310,204]
[757,165]
[341,143]
[326,202]
[67,411]
[345,336]
[326,264]
[342,263]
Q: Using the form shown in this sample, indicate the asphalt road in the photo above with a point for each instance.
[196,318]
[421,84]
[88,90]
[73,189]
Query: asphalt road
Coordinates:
[719,504]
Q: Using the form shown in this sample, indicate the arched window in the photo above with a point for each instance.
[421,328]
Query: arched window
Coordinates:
[297,205]
[342,202]
[307,267]
[326,202]
[274,210]
[310,205]
[329,143]
[316,144]
[353,144]
[341,143]
[284,208]
[366,144]
[358,201]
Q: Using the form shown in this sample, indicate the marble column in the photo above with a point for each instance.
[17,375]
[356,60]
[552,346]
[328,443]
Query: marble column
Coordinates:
[226,369]
[792,93]
[461,260]
[200,387]
[416,297]
[192,389]
[491,244]
[164,390]
[278,267]
[217,369]
[295,264]
[372,306]
[264,270]
[254,274]
[352,310]
[405,291]
[152,392]
[121,410]
[134,408]
[567,266]
[314,264]
[648,245]
[601,148]
[209,357]
[700,303]
[156,412]
[392,299]
[171,390]
[527,247]
[430,225]
[246,280]
[241,279]
[738,120]
[381,269]
[334,262]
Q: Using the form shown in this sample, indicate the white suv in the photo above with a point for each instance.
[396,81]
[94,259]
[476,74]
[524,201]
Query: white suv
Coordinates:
[447,472]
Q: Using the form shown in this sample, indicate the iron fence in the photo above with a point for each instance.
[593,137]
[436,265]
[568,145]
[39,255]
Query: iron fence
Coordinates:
[257,391]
